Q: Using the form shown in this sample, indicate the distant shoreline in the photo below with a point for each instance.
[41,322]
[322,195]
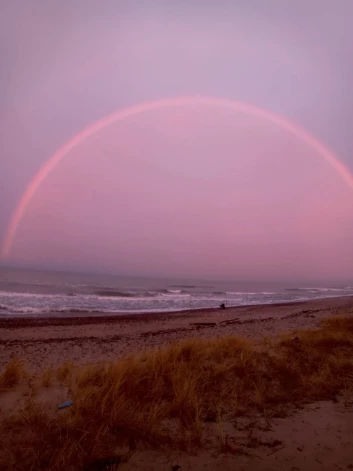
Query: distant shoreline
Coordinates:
[66,318]
[50,294]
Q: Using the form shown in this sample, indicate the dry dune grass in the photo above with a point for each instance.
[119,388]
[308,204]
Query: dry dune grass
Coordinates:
[64,372]
[163,398]
[47,378]
[11,374]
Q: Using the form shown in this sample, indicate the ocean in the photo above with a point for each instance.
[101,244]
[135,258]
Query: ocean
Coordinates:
[35,292]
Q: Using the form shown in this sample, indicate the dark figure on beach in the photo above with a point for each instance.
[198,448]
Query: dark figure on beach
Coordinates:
[222,306]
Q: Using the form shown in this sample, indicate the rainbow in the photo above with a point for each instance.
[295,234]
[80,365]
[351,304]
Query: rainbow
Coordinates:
[246,108]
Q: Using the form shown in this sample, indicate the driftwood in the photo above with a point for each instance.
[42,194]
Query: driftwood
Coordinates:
[204,323]
[230,321]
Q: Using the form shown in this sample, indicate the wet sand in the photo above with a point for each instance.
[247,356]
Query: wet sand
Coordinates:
[49,341]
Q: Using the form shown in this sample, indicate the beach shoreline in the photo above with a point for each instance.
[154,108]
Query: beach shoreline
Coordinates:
[76,316]
[53,294]
[48,341]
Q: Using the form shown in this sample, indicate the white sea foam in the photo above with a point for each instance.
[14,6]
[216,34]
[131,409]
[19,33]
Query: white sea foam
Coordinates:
[240,293]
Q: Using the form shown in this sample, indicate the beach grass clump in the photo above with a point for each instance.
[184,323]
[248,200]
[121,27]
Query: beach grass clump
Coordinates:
[11,374]
[64,371]
[47,378]
[167,397]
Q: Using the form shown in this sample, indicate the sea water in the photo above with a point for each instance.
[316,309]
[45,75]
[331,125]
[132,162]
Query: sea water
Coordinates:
[36,292]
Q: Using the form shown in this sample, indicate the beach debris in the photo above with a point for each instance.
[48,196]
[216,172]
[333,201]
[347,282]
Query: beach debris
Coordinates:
[230,321]
[204,323]
[65,404]
[176,467]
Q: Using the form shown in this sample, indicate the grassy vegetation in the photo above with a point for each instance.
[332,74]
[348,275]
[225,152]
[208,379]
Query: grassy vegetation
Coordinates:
[165,397]
[11,374]
[47,378]
[64,372]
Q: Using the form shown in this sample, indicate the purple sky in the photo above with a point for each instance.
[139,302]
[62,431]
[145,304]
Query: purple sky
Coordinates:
[196,191]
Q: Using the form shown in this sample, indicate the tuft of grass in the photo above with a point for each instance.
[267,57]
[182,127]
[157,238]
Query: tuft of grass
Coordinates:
[164,398]
[64,372]
[12,374]
[47,378]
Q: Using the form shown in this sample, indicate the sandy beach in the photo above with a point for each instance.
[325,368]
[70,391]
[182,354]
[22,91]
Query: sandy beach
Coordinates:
[47,341]
[311,435]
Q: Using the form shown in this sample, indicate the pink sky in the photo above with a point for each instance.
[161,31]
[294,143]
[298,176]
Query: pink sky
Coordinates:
[179,192]
[193,191]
